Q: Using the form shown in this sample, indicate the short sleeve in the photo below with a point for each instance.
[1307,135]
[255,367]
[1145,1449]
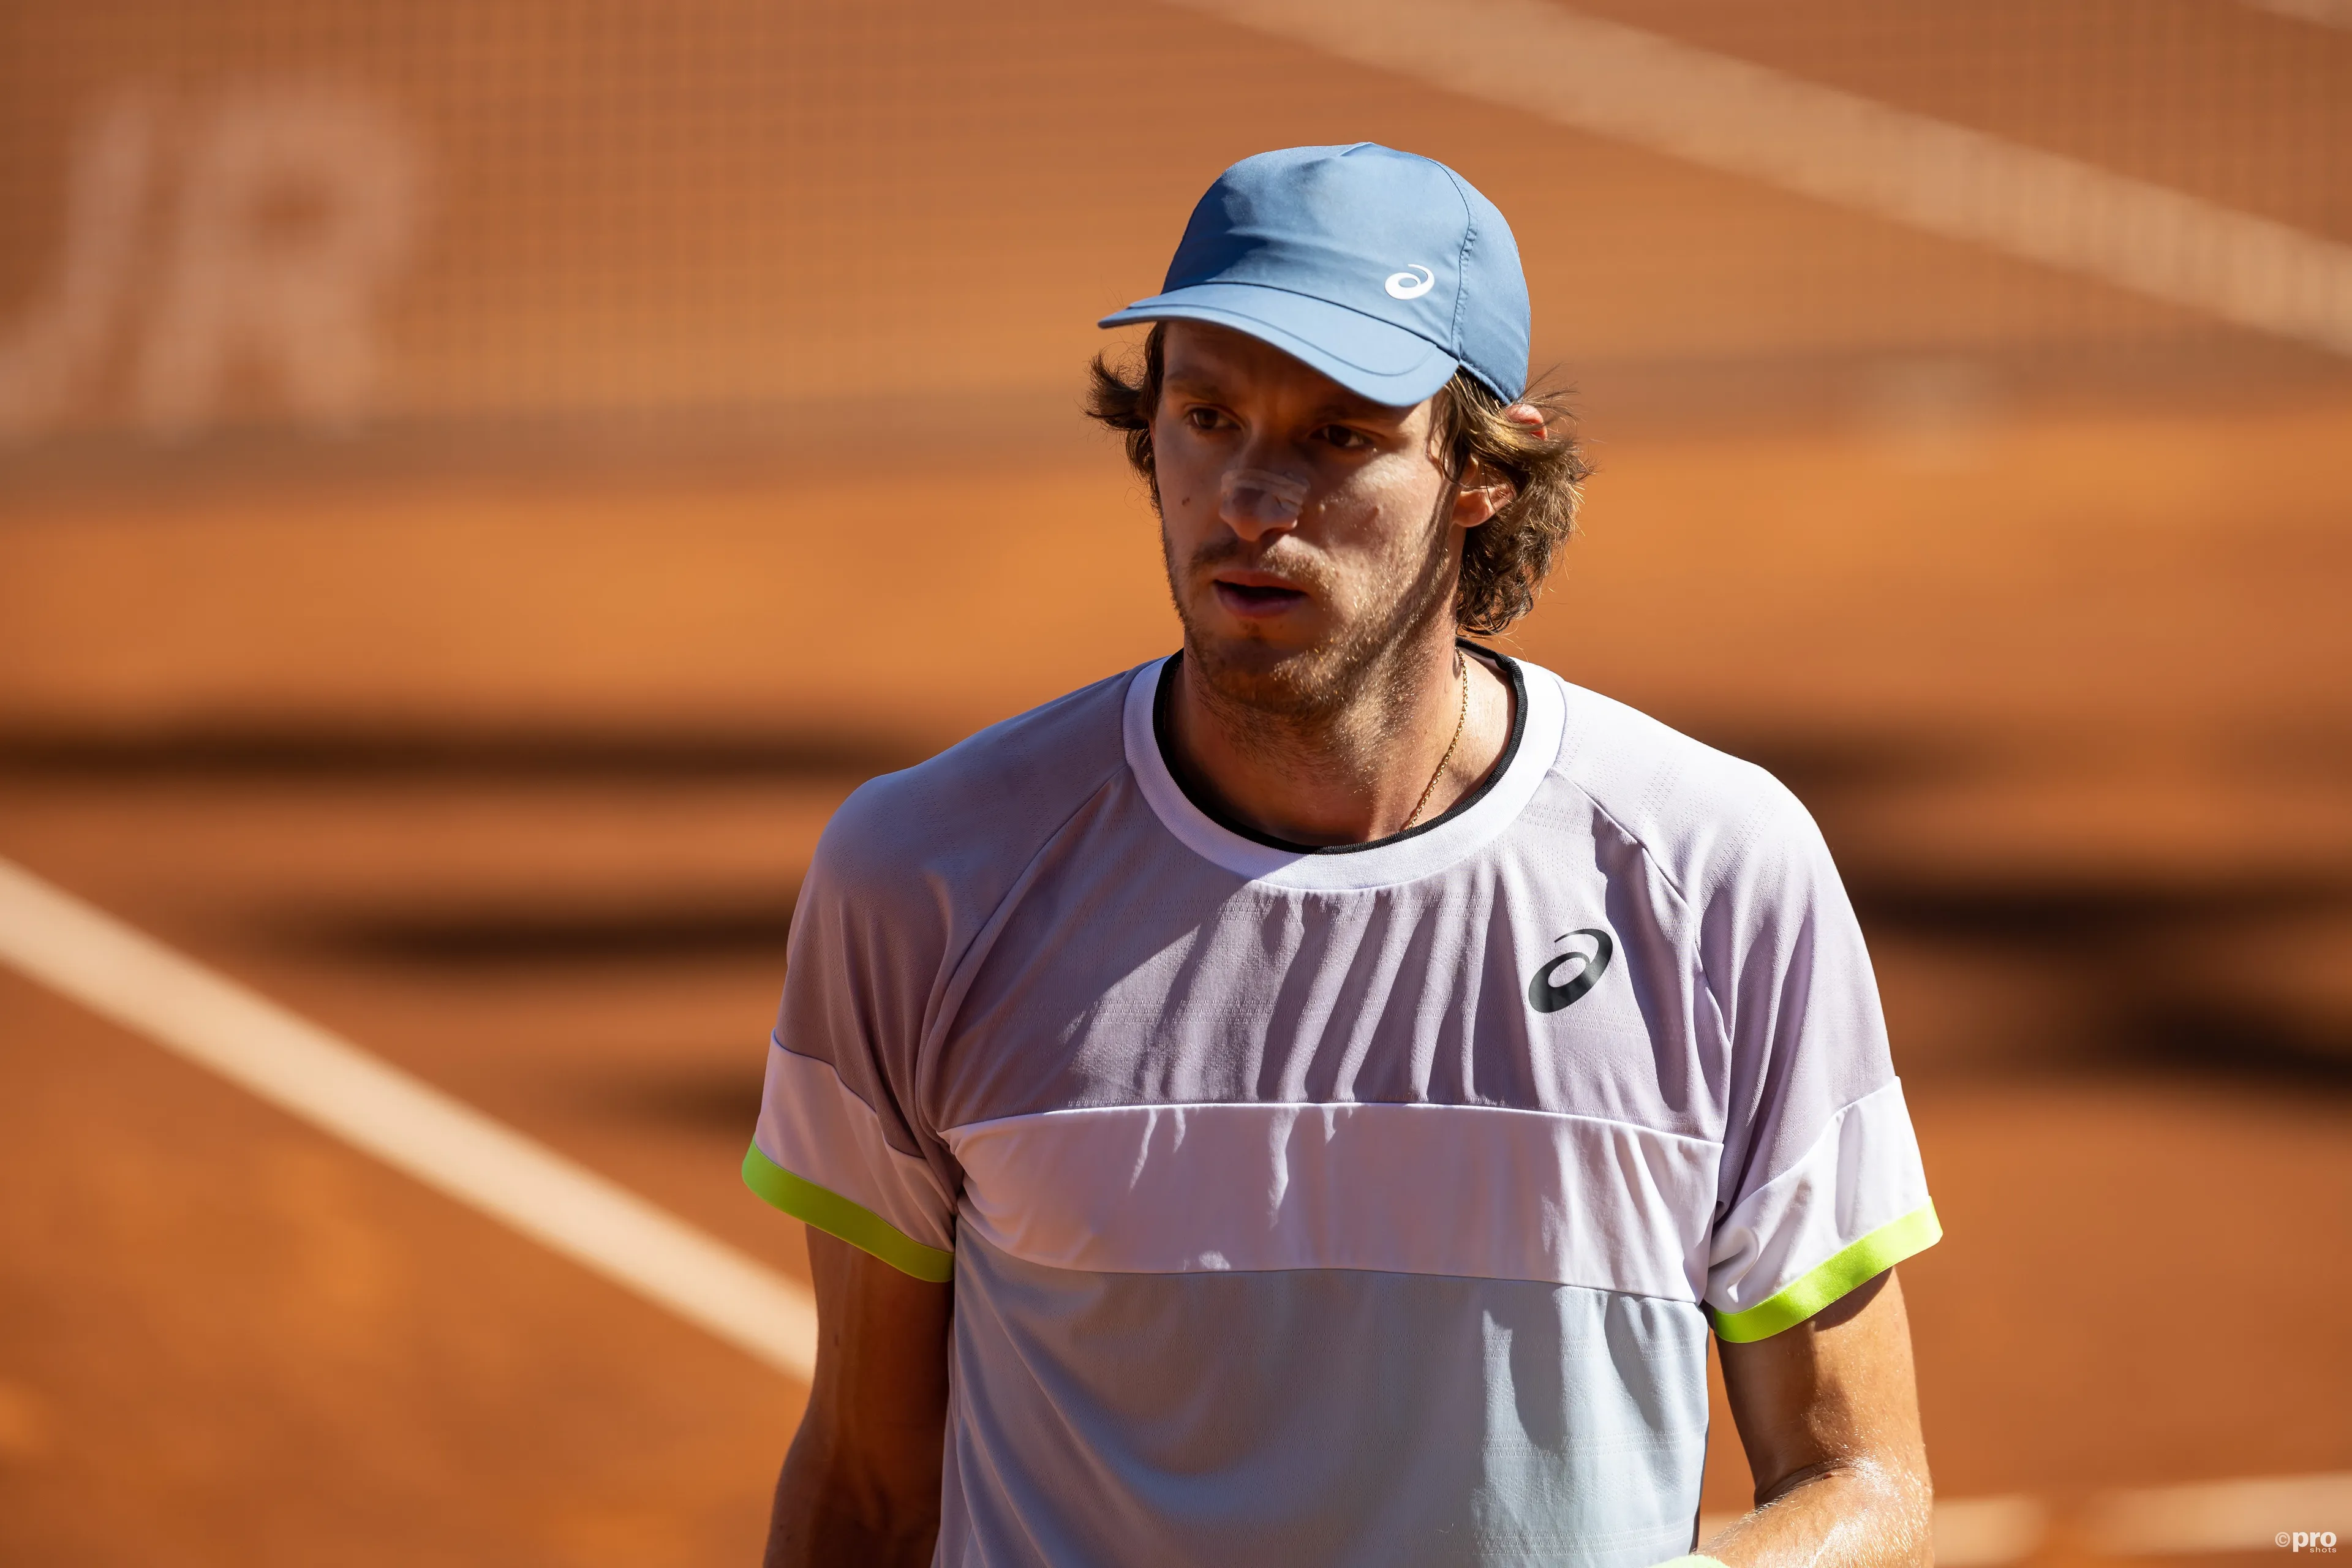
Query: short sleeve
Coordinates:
[1823,1185]
[839,1143]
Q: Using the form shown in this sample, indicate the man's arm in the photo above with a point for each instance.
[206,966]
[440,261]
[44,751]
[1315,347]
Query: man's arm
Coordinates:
[862,1482]
[1829,1414]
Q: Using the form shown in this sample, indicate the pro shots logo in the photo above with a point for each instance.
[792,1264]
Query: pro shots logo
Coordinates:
[1561,981]
[2307,1540]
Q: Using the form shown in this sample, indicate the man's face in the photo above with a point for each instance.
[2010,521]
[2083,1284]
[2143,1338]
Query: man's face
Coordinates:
[1307,530]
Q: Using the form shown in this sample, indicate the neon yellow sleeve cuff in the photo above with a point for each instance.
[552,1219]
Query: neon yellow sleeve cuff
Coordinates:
[836,1215]
[1858,1264]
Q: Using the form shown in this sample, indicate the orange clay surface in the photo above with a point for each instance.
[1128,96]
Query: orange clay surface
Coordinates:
[2070,698]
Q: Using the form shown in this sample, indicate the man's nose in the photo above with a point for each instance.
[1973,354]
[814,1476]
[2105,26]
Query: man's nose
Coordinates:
[1255,502]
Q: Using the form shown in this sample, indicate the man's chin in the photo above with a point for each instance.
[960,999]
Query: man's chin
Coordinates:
[1277,675]
[1258,646]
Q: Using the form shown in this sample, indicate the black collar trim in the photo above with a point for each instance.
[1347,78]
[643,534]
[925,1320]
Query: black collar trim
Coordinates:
[1509,668]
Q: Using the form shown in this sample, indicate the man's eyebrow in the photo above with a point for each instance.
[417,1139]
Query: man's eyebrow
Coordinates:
[1194,382]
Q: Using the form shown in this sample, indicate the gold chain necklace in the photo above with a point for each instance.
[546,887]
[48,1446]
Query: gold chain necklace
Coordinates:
[1459,719]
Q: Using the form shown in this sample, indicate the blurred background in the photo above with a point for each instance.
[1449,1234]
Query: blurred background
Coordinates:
[479,484]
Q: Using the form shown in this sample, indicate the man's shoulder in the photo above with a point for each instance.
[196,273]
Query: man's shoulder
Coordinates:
[992,797]
[1699,812]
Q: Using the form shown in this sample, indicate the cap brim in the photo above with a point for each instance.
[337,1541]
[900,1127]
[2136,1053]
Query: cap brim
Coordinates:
[1370,357]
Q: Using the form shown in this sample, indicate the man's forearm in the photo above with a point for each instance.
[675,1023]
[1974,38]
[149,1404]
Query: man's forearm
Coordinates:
[829,1511]
[1856,1514]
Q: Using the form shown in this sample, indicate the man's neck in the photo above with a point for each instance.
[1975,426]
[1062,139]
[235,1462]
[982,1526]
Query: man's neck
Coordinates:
[1355,772]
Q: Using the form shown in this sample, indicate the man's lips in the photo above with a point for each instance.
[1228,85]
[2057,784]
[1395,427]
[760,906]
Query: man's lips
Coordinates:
[1255,594]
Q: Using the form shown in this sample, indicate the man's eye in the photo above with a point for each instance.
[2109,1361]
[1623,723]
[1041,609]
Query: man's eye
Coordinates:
[1202,418]
[1347,440]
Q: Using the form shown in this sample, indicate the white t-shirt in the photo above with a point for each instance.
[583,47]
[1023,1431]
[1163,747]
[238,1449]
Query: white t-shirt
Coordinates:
[1365,1204]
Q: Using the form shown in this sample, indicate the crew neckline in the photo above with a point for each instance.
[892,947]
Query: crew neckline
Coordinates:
[1538,721]
[1165,686]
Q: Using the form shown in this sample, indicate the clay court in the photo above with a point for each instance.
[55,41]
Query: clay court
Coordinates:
[478,692]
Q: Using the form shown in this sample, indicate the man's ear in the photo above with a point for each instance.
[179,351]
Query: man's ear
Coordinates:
[1480,495]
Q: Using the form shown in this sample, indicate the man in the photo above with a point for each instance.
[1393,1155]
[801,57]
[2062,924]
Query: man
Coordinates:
[1306,1099]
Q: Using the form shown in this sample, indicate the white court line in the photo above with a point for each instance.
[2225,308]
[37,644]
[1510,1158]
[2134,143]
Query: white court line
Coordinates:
[2323,13]
[1978,1532]
[2221,1516]
[1745,119]
[326,1081]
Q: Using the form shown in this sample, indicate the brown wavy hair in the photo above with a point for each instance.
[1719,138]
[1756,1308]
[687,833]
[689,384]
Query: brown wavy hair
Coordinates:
[1506,559]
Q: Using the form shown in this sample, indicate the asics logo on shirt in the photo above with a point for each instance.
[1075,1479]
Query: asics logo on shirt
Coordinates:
[1547,993]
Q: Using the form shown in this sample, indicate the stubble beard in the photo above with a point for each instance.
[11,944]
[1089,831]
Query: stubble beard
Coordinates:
[1349,688]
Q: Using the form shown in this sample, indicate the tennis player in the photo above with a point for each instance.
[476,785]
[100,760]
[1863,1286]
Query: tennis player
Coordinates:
[1308,1099]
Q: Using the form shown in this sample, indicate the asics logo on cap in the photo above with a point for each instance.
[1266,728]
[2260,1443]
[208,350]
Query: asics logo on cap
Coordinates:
[1412,283]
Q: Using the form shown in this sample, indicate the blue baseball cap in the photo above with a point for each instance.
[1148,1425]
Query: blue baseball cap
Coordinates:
[1385,271]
